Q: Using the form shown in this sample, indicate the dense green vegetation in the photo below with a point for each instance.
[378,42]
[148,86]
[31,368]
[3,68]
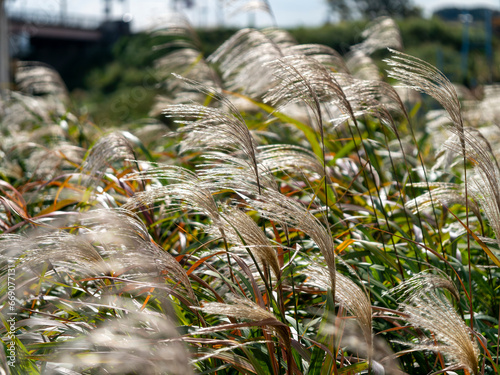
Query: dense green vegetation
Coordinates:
[132,63]
[283,210]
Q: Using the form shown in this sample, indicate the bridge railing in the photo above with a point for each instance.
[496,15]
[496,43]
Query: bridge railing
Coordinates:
[43,18]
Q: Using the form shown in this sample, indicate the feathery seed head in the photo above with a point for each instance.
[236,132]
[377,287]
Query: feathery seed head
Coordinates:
[423,283]
[434,313]
[349,294]
[428,309]
[243,308]
[242,230]
[424,77]
[107,150]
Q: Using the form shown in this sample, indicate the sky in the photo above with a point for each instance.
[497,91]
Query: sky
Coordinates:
[144,13]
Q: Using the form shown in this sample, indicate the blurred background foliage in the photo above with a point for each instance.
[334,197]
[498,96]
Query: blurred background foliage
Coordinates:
[130,64]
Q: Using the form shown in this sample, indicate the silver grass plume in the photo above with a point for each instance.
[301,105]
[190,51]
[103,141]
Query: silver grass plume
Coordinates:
[442,193]
[111,148]
[484,184]
[222,171]
[243,308]
[184,189]
[235,52]
[302,79]
[289,157]
[362,66]
[231,345]
[242,58]
[423,283]
[242,230]
[187,190]
[448,194]
[239,308]
[189,63]
[446,156]
[183,56]
[354,298]
[367,96]
[434,313]
[176,25]
[388,95]
[62,249]
[51,163]
[36,78]
[371,97]
[21,110]
[326,55]
[486,193]
[305,81]
[105,242]
[208,128]
[129,341]
[127,247]
[251,5]
[42,161]
[380,34]
[216,130]
[422,76]
[280,208]
[211,129]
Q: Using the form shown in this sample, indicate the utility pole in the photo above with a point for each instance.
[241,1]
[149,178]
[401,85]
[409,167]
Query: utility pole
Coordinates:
[107,10]
[220,14]
[489,42]
[4,51]
[466,20]
[125,6]
[63,8]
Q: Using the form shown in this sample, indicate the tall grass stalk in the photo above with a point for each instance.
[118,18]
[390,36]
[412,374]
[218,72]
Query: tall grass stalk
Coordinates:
[282,194]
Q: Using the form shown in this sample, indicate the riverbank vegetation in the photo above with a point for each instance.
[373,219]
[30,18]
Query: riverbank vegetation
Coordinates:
[284,208]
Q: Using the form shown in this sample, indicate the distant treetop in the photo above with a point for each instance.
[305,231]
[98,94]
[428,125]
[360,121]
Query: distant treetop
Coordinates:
[370,9]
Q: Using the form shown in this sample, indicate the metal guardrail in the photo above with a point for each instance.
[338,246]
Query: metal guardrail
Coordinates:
[41,18]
